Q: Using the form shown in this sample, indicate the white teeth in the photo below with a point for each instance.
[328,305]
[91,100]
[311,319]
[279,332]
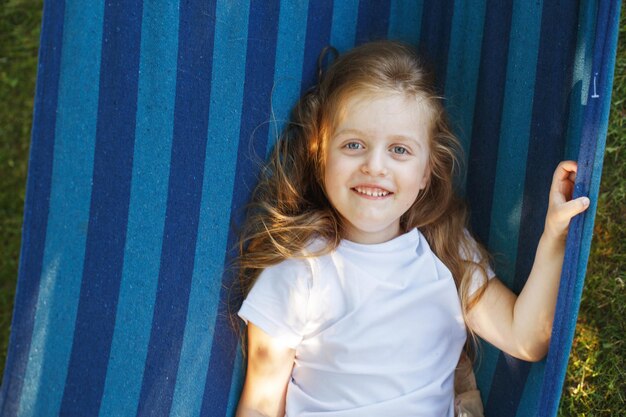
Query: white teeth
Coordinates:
[372,192]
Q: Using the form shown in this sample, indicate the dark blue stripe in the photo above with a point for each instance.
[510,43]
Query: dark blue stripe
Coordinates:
[318,25]
[482,161]
[104,254]
[373,21]
[191,114]
[545,149]
[593,138]
[435,36]
[260,61]
[35,208]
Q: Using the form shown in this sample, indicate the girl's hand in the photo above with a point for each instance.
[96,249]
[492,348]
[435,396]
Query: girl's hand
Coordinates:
[561,207]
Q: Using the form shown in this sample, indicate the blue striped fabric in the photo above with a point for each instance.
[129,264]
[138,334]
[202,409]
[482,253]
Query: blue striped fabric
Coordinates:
[144,234]
[68,216]
[151,121]
[254,131]
[187,164]
[290,57]
[226,94]
[545,149]
[108,215]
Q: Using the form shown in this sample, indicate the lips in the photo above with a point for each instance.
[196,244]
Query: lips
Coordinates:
[375,192]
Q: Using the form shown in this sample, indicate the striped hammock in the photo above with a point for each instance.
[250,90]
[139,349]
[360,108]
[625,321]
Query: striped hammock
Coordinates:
[150,119]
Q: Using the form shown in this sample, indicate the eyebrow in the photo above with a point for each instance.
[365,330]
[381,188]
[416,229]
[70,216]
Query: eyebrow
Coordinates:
[350,131]
[395,137]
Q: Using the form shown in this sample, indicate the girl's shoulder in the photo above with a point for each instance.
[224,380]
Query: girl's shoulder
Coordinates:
[289,269]
[299,269]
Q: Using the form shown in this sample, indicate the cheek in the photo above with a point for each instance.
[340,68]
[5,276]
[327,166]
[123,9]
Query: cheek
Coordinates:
[335,168]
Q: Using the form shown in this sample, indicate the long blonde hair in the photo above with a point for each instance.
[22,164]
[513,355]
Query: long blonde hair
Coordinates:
[289,206]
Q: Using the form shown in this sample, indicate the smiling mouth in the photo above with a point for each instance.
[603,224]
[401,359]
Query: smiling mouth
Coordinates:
[372,192]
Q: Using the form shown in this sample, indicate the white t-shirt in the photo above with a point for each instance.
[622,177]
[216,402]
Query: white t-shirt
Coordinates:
[377,329]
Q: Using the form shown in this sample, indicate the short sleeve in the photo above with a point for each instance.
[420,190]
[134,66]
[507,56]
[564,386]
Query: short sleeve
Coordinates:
[278,301]
[473,254]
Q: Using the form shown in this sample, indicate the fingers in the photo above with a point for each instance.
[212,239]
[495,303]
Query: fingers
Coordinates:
[566,167]
[563,182]
[565,171]
[562,208]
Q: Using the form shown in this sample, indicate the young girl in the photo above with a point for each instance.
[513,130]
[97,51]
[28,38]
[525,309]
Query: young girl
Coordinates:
[360,276]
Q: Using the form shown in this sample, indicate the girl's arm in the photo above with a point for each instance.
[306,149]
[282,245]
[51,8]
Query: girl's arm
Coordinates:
[522,325]
[269,370]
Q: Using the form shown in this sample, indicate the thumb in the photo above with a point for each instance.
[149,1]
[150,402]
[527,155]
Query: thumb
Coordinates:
[574,207]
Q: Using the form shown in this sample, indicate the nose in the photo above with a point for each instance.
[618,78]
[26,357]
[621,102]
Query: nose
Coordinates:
[374,164]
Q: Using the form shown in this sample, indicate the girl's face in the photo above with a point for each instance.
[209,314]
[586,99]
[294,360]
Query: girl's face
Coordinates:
[376,164]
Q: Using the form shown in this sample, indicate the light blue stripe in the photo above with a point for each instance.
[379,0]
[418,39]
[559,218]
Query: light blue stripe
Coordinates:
[68,217]
[513,151]
[237,383]
[343,30]
[231,38]
[405,21]
[460,92]
[466,39]
[288,69]
[148,197]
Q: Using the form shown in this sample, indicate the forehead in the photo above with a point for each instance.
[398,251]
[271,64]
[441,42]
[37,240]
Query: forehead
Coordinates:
[384,114]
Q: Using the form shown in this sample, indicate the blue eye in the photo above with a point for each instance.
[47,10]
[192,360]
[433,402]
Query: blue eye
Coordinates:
[400,150]
[353,146]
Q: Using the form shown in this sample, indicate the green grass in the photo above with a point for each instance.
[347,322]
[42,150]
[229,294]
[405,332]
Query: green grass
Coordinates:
[596,377]
[20,23]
